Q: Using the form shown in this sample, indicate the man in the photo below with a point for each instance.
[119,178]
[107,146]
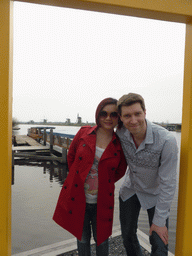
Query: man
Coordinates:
[150,181]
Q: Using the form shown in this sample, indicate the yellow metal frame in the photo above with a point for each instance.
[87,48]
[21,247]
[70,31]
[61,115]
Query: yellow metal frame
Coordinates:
[168,10]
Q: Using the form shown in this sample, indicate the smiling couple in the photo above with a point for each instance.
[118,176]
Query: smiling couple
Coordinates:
[98,157]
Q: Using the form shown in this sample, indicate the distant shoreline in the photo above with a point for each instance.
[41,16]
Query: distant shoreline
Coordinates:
[170,127]
[56,123]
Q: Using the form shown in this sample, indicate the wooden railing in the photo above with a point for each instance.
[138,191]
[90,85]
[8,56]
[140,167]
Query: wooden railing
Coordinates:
[59,140]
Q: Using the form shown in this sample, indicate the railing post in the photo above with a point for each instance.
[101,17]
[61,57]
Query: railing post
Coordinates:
[64,155]
[59,140]
[44,137]
[51,139]
[12,158]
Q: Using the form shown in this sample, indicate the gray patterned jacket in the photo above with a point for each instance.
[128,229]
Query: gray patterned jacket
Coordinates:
[152,170]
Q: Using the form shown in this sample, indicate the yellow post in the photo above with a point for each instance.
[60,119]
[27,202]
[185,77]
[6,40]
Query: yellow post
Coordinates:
[184,222]
[177,10]
[5,125]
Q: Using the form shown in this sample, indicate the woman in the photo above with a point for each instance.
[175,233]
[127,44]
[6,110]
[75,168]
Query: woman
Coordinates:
[96,161]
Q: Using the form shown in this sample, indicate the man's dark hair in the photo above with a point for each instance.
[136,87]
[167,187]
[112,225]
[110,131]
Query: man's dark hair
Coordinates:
[130,99]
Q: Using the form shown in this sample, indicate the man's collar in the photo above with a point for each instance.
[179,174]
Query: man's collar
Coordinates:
[149,133]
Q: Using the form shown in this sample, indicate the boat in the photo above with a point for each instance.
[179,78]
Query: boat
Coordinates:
[37,132]
[15,128]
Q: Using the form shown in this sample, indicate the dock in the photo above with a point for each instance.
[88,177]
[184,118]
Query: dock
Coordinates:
[25,143]
[26,147]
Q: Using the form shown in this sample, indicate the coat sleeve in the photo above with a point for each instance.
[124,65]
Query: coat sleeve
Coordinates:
[72,149]
[122,167]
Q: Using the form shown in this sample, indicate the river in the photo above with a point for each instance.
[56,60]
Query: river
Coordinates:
[35,190]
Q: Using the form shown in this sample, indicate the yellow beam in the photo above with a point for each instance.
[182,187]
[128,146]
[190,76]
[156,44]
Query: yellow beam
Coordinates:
[184,220]
[5,125]
[168,10]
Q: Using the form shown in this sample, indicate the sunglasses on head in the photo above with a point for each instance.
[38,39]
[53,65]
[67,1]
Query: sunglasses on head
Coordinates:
[104,114]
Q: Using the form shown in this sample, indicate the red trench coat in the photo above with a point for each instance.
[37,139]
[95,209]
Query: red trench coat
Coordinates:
[70,209]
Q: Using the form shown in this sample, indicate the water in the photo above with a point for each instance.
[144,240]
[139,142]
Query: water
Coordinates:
[35,190]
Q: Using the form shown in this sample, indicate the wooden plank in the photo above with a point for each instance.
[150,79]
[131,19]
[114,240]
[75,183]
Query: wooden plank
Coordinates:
[30,148]
[24,139]
[19,140]
[39,157]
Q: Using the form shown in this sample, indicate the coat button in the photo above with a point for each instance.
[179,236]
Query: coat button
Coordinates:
[80,158]
[111,207]
[111,194]
[76,185]
[77,172]
[65,187]
[73,199]
[110,219]
[70,212]
[109,181]
[116,172]
[113,169]
[84,145]
[115,154]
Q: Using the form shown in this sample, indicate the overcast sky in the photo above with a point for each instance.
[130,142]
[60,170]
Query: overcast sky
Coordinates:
[66,61]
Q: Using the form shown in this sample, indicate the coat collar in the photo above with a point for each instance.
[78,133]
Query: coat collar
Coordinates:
[91,138]
[94,129]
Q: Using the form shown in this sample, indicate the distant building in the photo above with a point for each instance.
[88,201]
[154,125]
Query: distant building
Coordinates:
[170,127]
[79,119]
[68,121]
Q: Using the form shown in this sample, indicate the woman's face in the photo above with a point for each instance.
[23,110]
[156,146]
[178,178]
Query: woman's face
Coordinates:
[108,117]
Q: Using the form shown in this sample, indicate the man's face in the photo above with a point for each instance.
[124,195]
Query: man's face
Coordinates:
[133,118]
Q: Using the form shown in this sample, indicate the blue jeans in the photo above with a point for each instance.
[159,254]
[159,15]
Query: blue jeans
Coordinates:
[129,213]
[90,222]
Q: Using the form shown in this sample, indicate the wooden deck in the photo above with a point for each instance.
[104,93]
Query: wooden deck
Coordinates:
[28,148]
[26,143]
[24,139]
